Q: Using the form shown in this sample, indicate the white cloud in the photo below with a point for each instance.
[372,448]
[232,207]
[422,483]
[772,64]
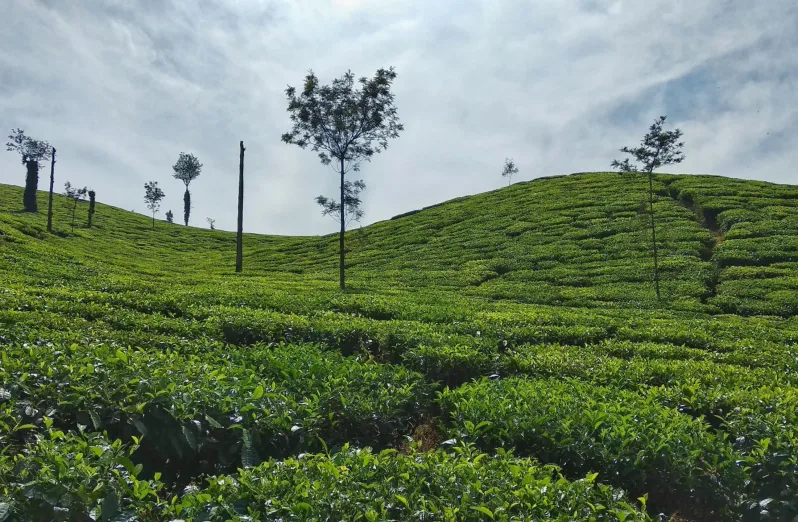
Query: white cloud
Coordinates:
[121,87]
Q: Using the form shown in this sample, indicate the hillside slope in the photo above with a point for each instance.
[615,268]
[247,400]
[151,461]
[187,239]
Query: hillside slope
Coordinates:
[581,240]
[522,319]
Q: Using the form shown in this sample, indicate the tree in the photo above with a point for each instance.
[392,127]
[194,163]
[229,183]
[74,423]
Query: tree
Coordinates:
[170,217]
[152,197]
[77,195]
[187,169]
[240,230]
[33,153]
[345,126]
[352,202]
[657,148]
[211,223]
[92,198]
[509,170]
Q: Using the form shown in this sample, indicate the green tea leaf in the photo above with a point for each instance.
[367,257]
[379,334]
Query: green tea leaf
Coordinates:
[249,455]
[95,419]
[257,393]
[110,505]
[484,511]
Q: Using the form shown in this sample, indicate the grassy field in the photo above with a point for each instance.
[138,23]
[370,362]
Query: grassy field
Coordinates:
[496,357]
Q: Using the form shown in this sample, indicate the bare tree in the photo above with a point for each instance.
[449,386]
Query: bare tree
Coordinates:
[657,148]
[345,126]
[152,197]
[211,223]
[187,169]
[77,195]
[509,170]
[33,153]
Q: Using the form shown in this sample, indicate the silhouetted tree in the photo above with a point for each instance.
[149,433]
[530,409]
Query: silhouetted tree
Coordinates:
[657,148]
[211,223]
[152,197]
[240,230]
[92,196]
[77,195]
[33,153]
[344,125]
[352,202]
[187,169]
[509,170]
[170,217]
[50,198]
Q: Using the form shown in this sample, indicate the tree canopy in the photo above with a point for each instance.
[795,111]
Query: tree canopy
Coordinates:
[187,168]
[657,148]
[341,122]
[28,148]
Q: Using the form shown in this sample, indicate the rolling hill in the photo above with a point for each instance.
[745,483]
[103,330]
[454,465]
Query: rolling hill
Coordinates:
[482,341]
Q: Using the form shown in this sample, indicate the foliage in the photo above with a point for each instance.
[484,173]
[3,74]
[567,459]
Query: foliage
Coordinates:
[345,126]
[632,442]
[541,287]
[28,148]
[92,205]
[352,211]
[509,170]
[460,484]
[152,197]
[33,153]
[657,149]
[76,195]
[170,217]
[187,169]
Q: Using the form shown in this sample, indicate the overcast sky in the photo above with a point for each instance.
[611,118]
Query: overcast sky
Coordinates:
[121,87]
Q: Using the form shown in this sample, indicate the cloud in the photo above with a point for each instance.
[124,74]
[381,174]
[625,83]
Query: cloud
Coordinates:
[121,87]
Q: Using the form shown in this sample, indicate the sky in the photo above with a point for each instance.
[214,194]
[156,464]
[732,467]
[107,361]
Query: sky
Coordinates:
[121,87]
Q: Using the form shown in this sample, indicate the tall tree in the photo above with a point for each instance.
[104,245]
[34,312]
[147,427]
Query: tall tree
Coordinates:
[92,201]
[509,170]
[344,125]
[240,231]
[77,195]
[34,153]
[152,197]
[187,169]
[50,200]
[657,148]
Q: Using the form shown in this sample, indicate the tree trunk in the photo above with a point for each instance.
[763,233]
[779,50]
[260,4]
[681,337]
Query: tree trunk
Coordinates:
[240,234]
[50,201]
[343,229]
[153,220]
[92,196]
[31,186]
[186,205]
[653,231]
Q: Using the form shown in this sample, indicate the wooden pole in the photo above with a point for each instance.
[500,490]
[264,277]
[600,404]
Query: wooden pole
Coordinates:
[240,235]
[50,203]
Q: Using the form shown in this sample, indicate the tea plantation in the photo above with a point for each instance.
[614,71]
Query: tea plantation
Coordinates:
[496,357]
